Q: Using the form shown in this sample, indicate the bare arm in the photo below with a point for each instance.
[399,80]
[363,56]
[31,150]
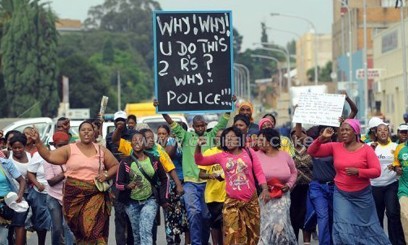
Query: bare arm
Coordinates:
[120,126]
[168,119]
[177,181]
[57,179]
[353,108]
[33,179]
[170,149]
[111,163]
[22,183]
[57,157]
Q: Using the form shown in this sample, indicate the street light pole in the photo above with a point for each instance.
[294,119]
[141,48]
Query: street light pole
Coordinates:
[365,60]
[286,53]
[314,39]
[301,48]
[248,79]
[237,81]
[278,65]
[119,92]
[350,57]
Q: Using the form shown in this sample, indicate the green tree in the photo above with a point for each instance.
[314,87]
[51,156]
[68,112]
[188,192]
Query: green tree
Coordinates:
[83,78]
[324,73]
[237,43]
[264,35]
[291,47]
[108,53]
[28,48]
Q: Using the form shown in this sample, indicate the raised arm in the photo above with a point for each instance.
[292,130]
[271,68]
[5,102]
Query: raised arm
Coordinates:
[168,119]
[204,160]
[165,116]
[353,107]
[58,156]
[116,135]
[319,148]
[222,123]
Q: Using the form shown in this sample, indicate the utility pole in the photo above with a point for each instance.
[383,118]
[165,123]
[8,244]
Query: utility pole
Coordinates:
[119,92]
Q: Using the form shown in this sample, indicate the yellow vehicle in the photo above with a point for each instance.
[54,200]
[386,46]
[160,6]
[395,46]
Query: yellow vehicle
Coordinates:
[140,109]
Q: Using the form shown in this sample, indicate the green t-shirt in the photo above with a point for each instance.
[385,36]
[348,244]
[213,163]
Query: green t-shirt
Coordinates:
[189,142]
[143,188]
[401,159]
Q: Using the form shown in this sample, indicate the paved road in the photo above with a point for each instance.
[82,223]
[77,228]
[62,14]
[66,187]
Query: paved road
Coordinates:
[161,238]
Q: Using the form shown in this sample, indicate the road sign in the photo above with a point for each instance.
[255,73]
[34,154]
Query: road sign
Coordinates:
[372,73]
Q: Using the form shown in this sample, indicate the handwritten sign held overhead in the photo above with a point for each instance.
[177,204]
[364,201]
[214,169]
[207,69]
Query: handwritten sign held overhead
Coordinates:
[319,109]
[193,61]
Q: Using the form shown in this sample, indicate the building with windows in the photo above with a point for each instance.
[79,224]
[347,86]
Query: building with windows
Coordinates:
[389,89]
[348,42]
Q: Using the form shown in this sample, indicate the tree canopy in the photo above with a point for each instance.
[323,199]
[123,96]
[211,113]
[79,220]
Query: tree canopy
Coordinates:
[28,48]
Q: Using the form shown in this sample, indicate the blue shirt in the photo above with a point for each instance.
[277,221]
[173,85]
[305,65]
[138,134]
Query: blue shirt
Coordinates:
[323,169]
[4,185]
[177,157]
[12,171]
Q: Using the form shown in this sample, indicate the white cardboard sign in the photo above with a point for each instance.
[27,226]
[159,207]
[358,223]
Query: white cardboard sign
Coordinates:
[319,109]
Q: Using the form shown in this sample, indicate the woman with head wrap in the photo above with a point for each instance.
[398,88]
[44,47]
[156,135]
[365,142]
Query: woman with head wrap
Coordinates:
[246,109]
[355,218]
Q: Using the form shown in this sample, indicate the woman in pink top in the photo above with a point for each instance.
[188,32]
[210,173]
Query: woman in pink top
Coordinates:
[86,209]
[280,173]
[241,166]
[355,218]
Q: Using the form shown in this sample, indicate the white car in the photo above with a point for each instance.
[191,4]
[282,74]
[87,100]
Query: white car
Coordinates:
[152,121]
[45,125]
[155,121]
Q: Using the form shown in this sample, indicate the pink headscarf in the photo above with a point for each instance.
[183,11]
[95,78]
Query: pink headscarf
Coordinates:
[355,125]
[263,121]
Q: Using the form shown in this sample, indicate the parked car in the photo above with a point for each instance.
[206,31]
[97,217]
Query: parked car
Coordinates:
[155,121]
[152,121]
[45,125]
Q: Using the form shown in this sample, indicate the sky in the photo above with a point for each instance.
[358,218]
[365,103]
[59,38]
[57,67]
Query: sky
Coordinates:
[247,15]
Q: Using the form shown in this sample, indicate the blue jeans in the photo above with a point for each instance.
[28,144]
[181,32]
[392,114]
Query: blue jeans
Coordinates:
[123,228]
[59,228]
[197,213]
[386,200]
[142,215]
[321,196]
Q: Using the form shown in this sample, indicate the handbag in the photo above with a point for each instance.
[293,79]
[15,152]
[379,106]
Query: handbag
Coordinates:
[105,185]
[5,211]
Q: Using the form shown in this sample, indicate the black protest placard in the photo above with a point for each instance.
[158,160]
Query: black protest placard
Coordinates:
[193,61]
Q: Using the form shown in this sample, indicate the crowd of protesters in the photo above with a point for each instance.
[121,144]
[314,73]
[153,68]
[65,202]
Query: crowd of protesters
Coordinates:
[238,182]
